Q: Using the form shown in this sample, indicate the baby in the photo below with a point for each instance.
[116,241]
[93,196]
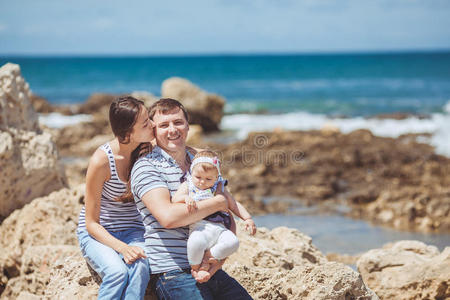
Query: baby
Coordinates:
[213,232]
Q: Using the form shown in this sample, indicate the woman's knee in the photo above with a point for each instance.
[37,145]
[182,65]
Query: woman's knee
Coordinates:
[142,268]
[115,272]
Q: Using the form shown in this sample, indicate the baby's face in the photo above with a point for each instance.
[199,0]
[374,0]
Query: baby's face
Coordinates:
[204,179]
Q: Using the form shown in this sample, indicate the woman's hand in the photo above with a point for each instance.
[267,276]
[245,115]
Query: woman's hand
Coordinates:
[132,253]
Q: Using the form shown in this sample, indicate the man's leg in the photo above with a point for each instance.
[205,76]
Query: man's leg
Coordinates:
[225,287]
[179,284]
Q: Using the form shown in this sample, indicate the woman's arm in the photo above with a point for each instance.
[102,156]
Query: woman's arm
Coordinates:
[97,173]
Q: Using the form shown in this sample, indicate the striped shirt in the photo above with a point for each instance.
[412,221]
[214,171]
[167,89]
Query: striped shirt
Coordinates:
[165,248]
[114,215]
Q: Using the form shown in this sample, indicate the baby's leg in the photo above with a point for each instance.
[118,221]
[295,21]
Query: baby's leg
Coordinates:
[226,245]
[196,246]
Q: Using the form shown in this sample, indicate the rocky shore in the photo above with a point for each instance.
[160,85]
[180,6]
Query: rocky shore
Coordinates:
[396,182]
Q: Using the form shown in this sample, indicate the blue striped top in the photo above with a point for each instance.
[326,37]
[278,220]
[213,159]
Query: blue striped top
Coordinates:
[114,215]
[166,249]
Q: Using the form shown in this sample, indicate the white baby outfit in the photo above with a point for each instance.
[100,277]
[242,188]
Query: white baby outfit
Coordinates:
[209,233]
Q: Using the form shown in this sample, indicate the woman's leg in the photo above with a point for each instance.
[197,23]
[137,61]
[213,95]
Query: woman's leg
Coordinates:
[139,271]
[107,263]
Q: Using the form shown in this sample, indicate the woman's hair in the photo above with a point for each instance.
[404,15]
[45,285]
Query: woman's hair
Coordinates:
[123,113]
[204,165]
[165,105]
[142,150]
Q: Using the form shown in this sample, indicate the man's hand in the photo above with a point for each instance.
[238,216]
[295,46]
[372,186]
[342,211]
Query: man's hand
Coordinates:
[132,253]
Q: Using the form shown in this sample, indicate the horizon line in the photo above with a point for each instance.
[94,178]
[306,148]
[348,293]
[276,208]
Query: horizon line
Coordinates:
[229,53]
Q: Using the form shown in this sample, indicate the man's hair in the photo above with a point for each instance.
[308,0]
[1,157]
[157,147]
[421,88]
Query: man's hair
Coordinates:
[206,166]
[166,105]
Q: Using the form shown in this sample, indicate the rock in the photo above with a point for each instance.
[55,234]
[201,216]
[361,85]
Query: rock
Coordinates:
[195,136]
[40,104]
[148,98]
[71,278]
[97,103]
[394,182]
[204,109]
[41,257]
[37,262]
[29,166]
[16,109]
[50,220]
[283,264]
[407,270]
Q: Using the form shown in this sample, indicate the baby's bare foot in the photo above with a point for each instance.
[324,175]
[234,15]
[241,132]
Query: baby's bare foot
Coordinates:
[202,276]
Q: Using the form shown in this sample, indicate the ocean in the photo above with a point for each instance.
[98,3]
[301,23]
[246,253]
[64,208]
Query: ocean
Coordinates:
[332,84]
[308,91]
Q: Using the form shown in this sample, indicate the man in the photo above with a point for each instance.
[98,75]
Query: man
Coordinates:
[154,179]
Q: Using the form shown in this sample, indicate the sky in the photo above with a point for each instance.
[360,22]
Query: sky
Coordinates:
[49,27]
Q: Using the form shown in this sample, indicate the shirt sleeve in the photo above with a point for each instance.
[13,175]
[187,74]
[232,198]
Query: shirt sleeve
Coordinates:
[145,177]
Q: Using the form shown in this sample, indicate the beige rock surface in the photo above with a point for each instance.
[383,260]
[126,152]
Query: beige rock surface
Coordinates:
[147,97]
[407,270]
[15,104]
[29,166]
[47,222]
[41,257]
[204,109]
[277,264]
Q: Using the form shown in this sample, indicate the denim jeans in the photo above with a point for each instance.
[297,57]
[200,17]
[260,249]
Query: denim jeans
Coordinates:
[179,284]
[119,280]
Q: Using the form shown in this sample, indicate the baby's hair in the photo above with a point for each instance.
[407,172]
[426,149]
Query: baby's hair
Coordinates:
[206,166]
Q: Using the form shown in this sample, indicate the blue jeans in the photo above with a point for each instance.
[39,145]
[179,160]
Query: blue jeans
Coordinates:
[179,284]
[119,280]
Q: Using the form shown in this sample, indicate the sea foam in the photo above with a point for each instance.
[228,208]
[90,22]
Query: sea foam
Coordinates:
[438,125]
[57,120]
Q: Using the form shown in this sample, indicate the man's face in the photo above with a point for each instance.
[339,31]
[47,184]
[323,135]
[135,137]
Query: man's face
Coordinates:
[171,130]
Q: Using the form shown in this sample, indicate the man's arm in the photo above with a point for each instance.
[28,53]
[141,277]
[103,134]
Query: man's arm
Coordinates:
[173,215]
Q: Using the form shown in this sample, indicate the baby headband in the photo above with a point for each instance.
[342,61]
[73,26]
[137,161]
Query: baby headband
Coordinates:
[202,159]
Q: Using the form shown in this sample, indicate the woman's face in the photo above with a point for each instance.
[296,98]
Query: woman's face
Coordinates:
[143,128]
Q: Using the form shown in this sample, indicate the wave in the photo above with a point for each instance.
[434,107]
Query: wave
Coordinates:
[57,120]
[438,125]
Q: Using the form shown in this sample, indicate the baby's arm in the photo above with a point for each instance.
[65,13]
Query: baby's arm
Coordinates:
[181,193]
[239,210]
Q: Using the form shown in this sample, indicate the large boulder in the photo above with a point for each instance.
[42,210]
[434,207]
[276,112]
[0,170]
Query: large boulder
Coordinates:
[29,165]
[204,109]
[407,270]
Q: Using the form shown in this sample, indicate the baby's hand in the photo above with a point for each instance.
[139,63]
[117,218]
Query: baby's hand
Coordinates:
[191,204]
[250,226]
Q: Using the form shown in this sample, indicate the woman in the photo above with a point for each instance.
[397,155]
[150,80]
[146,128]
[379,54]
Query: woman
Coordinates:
[110,229]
